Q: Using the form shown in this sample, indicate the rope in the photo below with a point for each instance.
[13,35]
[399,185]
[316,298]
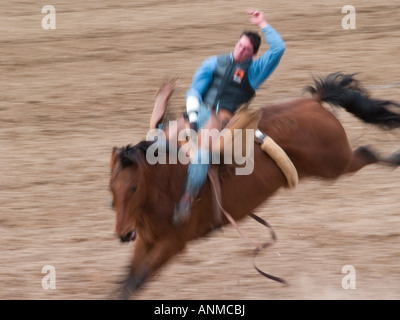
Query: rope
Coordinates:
[258,247]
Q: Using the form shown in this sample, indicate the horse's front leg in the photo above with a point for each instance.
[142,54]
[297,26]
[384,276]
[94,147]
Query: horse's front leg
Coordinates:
[146,261]
[135,280]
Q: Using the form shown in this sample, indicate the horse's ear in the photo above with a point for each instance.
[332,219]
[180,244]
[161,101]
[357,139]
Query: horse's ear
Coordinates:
[162,98]
[114,156]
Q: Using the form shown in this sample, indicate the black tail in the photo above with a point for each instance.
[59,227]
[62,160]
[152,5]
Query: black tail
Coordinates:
[343,90]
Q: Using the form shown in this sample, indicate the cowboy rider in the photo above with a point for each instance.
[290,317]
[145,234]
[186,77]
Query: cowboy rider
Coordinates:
[224,83]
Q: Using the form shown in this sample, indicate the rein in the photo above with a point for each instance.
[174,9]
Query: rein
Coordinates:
[258,247]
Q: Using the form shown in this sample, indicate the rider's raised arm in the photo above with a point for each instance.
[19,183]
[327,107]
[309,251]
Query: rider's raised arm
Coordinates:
[262,68]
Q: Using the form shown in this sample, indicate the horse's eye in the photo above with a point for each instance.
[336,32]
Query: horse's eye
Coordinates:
[134,189]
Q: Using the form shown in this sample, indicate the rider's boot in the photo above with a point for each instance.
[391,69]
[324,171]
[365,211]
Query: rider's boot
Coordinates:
[183,208]
[197,175]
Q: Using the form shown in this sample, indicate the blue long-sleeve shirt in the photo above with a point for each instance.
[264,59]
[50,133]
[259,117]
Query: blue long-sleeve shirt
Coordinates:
[259,71]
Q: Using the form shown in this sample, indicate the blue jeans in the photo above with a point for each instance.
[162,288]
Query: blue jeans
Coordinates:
[198,169]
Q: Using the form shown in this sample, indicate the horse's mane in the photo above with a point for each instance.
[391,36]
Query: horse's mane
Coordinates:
[133,154]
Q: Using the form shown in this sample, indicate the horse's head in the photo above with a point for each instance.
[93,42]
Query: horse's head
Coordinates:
[127,187]
[143,193]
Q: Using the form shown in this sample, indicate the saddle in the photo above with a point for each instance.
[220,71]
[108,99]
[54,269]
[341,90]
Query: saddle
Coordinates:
[248,119]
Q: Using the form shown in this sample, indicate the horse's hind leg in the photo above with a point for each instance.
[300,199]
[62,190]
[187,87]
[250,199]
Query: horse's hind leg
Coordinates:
[362,157]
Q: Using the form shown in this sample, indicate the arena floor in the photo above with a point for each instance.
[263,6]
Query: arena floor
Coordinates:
[68,95]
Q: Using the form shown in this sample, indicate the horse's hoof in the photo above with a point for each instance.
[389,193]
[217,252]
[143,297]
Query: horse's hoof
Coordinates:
[393,160]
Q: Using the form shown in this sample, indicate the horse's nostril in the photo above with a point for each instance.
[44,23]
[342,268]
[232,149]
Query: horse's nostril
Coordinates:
[126,238]
[130,236]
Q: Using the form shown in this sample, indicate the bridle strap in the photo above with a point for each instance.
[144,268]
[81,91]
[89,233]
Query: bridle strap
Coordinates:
[215,184]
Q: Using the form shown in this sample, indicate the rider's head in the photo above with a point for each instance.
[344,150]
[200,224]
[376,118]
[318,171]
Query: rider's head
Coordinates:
[247,46]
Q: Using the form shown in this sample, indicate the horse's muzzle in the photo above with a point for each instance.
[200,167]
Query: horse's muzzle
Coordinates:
[130,236]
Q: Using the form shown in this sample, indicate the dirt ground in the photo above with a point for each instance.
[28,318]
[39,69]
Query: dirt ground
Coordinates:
[68,95]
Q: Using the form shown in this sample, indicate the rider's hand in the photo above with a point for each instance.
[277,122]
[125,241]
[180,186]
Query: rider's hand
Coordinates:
[257,18]
[192,107]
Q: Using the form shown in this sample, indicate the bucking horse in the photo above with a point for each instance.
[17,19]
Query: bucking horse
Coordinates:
[310,135]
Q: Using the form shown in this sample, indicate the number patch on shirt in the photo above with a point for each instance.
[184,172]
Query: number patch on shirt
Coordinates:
[238,76]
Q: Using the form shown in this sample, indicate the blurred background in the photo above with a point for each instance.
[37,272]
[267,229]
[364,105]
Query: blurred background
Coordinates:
[68,95]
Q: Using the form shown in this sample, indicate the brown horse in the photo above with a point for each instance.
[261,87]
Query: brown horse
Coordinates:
[144,195]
